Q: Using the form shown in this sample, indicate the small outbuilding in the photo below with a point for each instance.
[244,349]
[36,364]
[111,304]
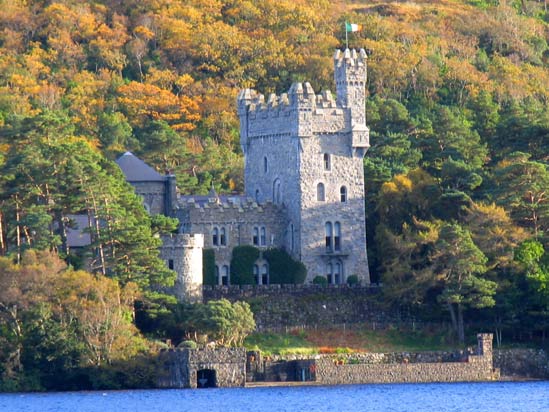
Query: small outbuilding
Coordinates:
[203,368]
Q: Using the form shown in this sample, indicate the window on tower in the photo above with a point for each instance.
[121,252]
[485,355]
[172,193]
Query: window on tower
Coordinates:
[320,193]
[265,165]
[328,233]
[327,162]
[343,194]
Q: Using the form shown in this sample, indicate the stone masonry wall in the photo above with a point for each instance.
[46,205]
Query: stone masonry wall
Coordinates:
[523,363]
[278,307]
[238,219]
[180,367]
[478,367]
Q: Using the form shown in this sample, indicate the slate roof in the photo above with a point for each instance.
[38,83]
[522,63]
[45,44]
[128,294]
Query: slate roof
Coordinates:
[136,170]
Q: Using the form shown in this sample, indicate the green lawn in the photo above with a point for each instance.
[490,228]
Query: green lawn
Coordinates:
[358,339]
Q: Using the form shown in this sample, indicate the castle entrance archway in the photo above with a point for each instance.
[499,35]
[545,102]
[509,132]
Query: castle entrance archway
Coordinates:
[206,378]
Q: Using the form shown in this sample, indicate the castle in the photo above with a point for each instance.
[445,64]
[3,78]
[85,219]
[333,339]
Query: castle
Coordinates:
[304,186]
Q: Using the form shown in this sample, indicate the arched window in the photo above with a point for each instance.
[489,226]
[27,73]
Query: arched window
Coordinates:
[337,236]
[215,236]
[328,230]
[263,236]
[257,196]
[222,237]
[225,275]
[329,271]
[343,194]
[265,274]
[327,162]
[256,274]
[265,165]
[276,192]
[320,195]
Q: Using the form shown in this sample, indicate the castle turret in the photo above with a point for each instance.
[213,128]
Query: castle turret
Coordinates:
[183,254]
[350,79]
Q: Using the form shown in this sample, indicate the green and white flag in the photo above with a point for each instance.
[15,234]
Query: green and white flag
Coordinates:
[350,27]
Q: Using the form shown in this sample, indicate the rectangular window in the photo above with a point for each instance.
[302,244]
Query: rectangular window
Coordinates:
[263,237]
[255,239]
[170,264]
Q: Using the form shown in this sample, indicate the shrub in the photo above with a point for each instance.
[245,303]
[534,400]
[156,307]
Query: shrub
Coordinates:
[188,344]
[320,280]
[283,269]
[242,263]
[353,280]
[208,267]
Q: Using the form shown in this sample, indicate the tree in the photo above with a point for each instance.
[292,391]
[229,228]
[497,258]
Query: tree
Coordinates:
[522,189]
[458,265]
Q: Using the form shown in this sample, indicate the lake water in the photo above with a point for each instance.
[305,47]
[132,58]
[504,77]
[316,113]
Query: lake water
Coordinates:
[459,397]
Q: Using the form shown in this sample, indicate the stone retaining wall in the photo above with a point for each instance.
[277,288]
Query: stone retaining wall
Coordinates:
[523,363]
[477,367]
[277,307]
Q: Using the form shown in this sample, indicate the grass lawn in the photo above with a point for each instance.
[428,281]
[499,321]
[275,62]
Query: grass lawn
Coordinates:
[357,339]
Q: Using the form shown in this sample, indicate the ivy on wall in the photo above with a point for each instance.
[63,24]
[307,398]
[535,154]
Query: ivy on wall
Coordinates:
[283,269]
[208,267]
[242,263]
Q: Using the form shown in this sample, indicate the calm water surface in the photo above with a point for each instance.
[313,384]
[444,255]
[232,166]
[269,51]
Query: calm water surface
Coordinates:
[461,397]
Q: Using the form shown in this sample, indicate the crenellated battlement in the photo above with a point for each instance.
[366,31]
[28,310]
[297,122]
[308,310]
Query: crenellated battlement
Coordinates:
[182,240]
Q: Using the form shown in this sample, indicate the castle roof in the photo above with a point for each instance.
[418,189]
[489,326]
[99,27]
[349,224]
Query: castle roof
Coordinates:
[136,170]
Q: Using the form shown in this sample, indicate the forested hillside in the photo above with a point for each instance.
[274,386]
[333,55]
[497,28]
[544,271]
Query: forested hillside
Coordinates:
[457,179]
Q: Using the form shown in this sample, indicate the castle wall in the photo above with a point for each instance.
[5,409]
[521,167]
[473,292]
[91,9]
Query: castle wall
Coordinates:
[153,194]
[346,171]
[238,219]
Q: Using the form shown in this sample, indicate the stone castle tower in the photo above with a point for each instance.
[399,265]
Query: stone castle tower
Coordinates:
[305,152]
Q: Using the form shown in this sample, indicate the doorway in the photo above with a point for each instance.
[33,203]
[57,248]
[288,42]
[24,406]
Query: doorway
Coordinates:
[206,378]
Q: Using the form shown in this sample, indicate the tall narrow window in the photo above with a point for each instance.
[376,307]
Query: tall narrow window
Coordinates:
[343,194]
[329,271]
[256,274]
[263,237]
[255,239]
[265,274]
[320,195]
[327,162]
[337,236]
[265,165]
[222,237]
[337,273]
[170,264]
[276,192]
[328,230]
[292,237]
[217,280]
[257,196]
[215,236]
[225,275]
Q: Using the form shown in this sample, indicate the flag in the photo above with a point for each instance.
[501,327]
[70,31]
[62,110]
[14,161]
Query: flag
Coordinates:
[349,27]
